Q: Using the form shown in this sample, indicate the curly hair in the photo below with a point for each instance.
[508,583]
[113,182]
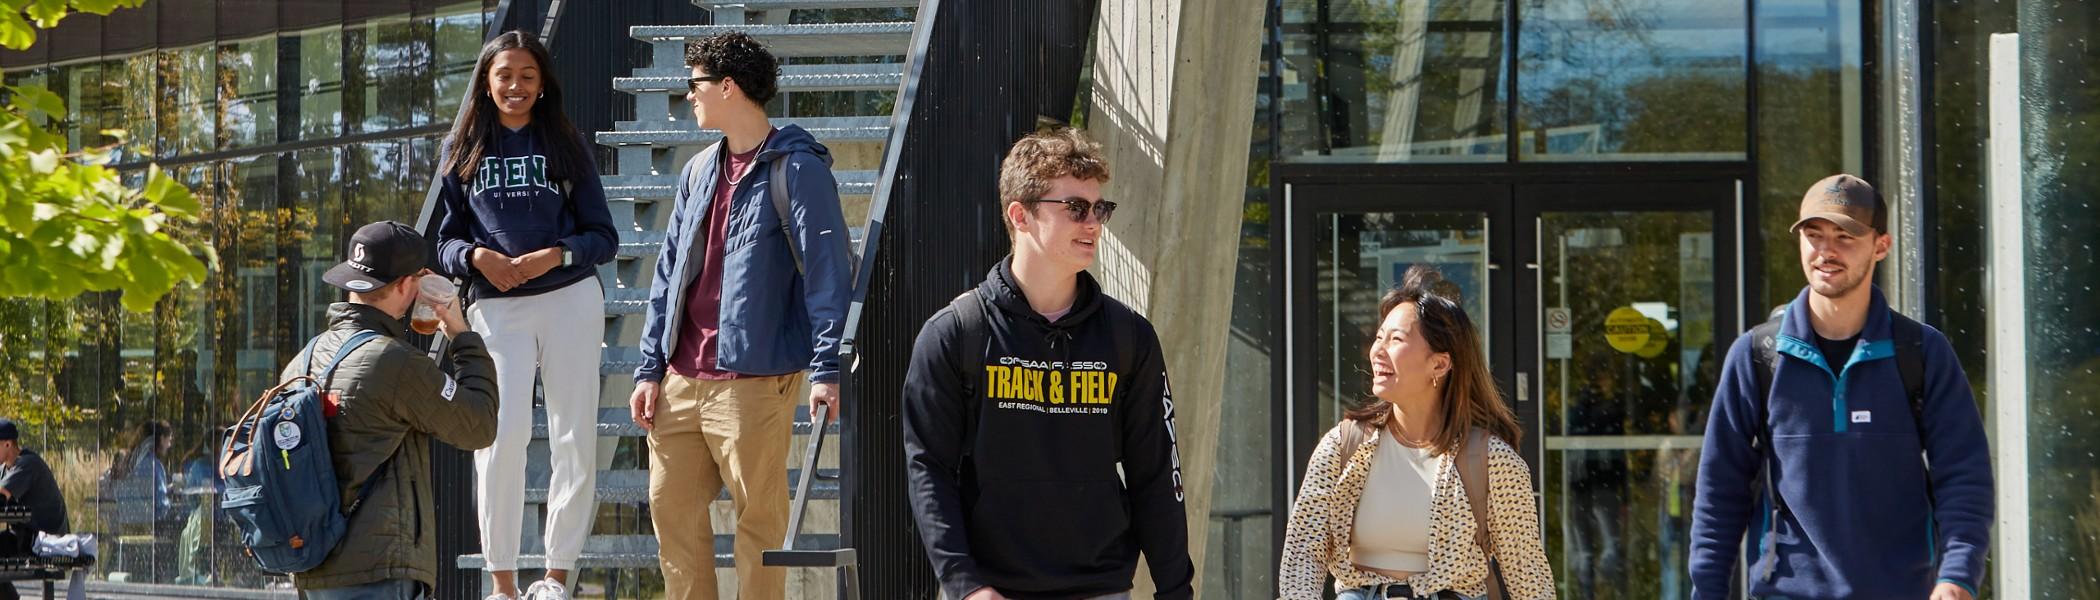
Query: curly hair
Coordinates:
[1042,157]
[740,57]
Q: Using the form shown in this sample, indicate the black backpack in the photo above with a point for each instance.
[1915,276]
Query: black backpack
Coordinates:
[1909,339]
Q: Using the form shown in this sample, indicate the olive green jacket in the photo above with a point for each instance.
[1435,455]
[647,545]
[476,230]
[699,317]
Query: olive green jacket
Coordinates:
[394,401]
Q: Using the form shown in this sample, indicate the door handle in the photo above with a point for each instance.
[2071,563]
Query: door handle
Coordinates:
[1523,386]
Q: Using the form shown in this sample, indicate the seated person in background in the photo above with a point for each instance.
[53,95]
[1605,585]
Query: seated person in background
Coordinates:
[27,481]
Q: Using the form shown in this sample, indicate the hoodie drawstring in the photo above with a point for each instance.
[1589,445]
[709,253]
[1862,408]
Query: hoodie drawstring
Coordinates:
[1065,357]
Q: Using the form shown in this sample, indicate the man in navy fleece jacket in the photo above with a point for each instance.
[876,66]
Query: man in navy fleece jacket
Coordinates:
[1857,514]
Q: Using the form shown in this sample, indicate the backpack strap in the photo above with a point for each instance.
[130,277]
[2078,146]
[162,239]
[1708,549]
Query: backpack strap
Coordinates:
[1472,474]
[1126,358]
[779,186]
[969,356]
[1354,433]
[1764,364]
[327,376]
[326,381]
[1910,363]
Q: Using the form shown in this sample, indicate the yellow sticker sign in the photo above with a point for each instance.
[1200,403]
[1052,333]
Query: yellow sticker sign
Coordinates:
[1626,329]
[1658,340]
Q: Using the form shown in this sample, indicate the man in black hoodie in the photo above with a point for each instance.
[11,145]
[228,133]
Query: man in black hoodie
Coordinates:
[1026,394]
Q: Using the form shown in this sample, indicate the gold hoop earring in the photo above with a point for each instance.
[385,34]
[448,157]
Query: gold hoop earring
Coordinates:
[1436,382]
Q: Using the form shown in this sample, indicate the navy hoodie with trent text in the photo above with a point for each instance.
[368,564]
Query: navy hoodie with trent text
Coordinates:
[515,206]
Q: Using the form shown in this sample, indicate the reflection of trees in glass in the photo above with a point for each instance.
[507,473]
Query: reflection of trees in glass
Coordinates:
[1798,143]
[188,122]
[1619,77]
[388,62]
[321,64]
[1406,78]
[458,45]
[247,84]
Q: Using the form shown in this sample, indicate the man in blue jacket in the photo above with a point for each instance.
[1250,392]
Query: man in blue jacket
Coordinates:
[747,297]
[1853,478]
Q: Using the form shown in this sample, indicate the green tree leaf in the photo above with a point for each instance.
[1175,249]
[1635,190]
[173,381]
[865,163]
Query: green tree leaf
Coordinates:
[15,33]
[31,98]
[47,12]
[68,224]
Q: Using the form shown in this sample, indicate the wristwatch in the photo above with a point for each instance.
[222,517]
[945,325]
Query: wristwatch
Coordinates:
[567,258]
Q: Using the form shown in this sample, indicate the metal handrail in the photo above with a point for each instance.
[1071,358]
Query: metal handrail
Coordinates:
[846,560]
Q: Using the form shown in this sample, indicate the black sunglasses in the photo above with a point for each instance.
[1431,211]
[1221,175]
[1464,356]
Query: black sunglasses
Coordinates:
[1077,208]
[693,84]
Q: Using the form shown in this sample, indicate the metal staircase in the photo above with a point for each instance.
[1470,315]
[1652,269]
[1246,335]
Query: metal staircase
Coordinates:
[862,55]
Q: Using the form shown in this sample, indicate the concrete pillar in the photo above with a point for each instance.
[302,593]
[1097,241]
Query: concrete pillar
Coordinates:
[1173,106]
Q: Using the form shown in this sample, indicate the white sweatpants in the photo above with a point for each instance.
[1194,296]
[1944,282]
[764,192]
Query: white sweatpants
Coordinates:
[557,336]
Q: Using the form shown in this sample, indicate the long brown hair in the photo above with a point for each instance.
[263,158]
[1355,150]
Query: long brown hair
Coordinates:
[473,131]
[1472,399]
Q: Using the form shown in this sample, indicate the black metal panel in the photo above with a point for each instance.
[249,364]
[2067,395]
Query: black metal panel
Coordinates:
[994,70]
[75,38]
[246,18]
[127,30]
[186,22]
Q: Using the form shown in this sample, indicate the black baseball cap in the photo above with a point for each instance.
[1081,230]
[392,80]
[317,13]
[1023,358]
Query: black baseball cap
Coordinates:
[379,254]
[8,431]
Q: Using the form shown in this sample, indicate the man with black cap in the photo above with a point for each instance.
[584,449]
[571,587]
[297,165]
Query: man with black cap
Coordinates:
[1846,433]
[387,401]
[26,480]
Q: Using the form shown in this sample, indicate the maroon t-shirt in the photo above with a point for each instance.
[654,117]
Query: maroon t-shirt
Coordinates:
[698,354]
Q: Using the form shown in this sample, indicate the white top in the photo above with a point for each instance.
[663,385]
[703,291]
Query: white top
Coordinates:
[1393,518]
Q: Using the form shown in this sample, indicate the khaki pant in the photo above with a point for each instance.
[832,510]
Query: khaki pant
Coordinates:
[711,434]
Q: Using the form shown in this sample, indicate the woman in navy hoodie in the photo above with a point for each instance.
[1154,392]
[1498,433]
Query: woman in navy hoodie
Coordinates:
[526,223]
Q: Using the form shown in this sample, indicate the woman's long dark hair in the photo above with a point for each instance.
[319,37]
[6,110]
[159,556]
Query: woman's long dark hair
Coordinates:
[1472,399]
[475,130]
[147,444]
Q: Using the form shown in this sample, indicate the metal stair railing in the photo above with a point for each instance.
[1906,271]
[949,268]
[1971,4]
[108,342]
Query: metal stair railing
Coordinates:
[846,560]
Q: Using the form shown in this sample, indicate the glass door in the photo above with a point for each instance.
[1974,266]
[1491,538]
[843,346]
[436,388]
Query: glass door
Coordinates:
[1629,325]
[1347,246]
[1605,309]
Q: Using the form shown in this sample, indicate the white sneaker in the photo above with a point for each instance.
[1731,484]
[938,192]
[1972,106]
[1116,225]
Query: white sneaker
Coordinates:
[547,589]
[499,597]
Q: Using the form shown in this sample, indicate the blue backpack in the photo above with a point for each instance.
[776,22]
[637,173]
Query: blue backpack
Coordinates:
[279,478]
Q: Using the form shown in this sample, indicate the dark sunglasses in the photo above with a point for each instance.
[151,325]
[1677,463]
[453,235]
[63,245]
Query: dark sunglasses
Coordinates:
[1077,208]
[693,84]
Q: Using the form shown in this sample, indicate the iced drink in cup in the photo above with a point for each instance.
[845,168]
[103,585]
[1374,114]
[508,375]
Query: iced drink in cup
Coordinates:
[436,291]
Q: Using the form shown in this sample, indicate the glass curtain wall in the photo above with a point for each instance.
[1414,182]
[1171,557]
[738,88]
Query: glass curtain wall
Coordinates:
[92,384]
[1409,88]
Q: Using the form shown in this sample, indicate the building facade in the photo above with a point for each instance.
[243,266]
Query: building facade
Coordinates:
[1586,170]
[1608,182]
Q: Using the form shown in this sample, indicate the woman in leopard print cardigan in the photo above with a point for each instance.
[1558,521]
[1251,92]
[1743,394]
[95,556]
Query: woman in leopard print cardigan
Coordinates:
[1428,370]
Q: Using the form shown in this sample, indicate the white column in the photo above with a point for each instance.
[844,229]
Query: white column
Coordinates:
[2007,310]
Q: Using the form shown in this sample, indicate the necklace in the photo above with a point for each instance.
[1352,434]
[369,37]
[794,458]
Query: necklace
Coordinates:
[1393,426]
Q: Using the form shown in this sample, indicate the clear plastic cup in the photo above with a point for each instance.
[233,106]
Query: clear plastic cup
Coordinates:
[436,291]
